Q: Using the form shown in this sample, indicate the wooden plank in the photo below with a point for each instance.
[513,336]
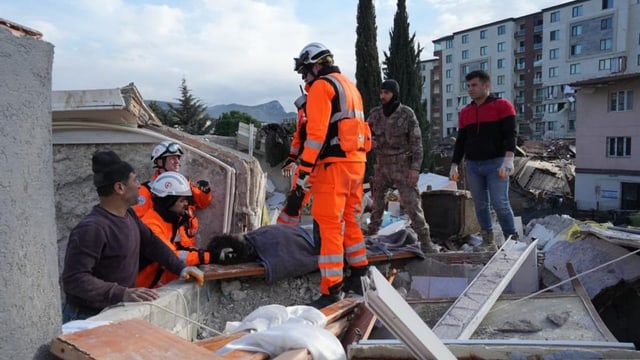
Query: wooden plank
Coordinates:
[466,313]
[582,293]
[218,342]
[216,272]
[128,339]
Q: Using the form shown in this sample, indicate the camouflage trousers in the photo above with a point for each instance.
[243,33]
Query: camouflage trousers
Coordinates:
[394,173]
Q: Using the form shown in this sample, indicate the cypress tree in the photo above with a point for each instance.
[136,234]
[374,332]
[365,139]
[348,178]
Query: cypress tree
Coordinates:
[402,63]
[368,73]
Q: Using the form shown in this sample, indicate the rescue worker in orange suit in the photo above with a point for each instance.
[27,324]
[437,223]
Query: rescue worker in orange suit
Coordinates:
[338,139]
[166,157]
[170,197]
[296,198]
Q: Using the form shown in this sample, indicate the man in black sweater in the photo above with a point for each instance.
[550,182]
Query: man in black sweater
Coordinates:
[102,257]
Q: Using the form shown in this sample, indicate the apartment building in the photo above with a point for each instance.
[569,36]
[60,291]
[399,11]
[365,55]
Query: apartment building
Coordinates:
[532,60]
[430,72]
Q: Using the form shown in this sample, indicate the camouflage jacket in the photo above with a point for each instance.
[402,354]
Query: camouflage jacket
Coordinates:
[397,134]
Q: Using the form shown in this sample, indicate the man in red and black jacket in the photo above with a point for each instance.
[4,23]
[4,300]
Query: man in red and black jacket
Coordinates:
[487,140]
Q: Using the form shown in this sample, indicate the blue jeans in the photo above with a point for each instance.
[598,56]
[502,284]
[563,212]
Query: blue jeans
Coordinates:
[488,188]
[72,312]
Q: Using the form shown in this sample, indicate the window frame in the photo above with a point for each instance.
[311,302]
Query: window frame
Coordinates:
[574,68]
[620,101]
[618,146]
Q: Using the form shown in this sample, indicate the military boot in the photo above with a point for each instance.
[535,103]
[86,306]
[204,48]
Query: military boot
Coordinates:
[335,295]
[353,282]
[424,237]
[488,242]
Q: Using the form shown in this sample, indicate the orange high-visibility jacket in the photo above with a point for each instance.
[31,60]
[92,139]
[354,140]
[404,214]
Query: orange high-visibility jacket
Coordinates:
[331,98]
[164,230]
[200,198]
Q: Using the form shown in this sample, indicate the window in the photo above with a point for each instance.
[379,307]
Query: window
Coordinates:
[483,34]
[553,72]
[484,65]
[448,59]
[630,196]
[607,4]
[576,49]
[483,50]
[576,30]
[465,70]
[549,125]
[619,146]
[448,73]
[621,100]
[574,69]
[538,127]
[502,30]
[501,46]
[606,24]
[576,11]
[449,88]
[553,53]
[500,63]
[448,44]
[604,64]
[465,100]
[605,44]
[500,79]
[554,35]
[638,59]
[449,102]
[500,94]
[555,16]
[465,54]
[449,117]
[465,38]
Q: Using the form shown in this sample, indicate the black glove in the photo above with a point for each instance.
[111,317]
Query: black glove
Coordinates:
[204,186]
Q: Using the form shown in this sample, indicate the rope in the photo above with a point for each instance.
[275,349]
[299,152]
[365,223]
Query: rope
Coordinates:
[565,281]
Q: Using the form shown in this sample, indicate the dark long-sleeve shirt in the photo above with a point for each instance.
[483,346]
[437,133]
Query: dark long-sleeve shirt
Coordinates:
[397,134]
[485,131]
[103,256]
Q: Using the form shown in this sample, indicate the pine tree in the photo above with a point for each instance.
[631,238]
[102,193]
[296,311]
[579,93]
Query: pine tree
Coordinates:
[190,115]
[368,74]
[403,64]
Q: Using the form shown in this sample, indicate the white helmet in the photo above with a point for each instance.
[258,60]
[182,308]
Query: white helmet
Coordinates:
[170,183]
[166,148]
[310,54]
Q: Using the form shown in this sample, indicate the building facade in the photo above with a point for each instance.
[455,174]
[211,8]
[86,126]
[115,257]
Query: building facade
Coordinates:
[533,59]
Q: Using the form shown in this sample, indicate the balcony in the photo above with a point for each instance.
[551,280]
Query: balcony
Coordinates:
[538,115]
[521,66]
[537,28]
[520,33]
[520,49]
[519,99]
[537,46]
[537,81]
[538,98]
[519,83]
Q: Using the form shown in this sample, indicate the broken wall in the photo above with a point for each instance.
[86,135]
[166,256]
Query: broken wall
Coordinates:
[30,313]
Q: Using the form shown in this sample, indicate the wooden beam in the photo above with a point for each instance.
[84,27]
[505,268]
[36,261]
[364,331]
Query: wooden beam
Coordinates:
[128,339]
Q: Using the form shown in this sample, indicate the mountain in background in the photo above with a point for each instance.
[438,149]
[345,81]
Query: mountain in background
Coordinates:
[271,112]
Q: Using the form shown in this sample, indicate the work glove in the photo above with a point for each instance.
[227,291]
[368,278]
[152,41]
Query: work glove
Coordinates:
[287,168]
[303,181]
[506,168]
[192,272]
[453,172]
[204,186]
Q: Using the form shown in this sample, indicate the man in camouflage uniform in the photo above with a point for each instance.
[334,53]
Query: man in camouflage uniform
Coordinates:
[398,147]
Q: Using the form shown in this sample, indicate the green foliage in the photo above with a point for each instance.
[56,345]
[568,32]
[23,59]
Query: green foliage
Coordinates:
[403,64]
[227,124]
[190,115]
[160,112]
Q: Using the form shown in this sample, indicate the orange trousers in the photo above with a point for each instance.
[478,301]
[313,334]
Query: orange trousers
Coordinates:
[337,201]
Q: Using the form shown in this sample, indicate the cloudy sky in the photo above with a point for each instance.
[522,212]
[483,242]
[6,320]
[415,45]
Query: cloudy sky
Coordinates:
[229,51]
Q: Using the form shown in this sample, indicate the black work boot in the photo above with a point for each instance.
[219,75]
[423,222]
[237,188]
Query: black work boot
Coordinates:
[335,295]
[353,283]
